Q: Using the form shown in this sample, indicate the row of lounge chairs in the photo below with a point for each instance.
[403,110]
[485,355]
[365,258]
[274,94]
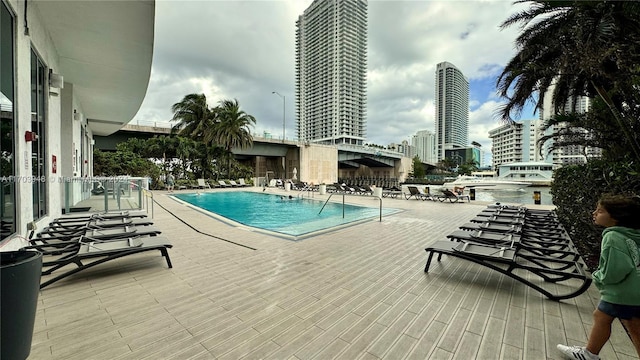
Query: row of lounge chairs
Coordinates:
[526,245]
[203,184]
[350,189]
[71,244]
[446,195]
[231,184]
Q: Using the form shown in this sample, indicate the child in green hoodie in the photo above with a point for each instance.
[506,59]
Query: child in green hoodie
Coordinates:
[617,276]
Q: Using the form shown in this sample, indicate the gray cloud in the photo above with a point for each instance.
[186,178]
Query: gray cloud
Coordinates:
[246,50]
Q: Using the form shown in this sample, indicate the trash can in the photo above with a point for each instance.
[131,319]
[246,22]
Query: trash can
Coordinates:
[19,287]
[537,197]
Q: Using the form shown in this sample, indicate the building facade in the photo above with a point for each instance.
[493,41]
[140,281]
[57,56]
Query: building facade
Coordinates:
[570,154]
[484,159]
[507,144]
[519,142]
[68,71]
[424,142]
[406,149]
[452,109]
[331,69]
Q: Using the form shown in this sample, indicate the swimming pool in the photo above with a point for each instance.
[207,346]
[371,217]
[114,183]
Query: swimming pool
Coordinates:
[297,217]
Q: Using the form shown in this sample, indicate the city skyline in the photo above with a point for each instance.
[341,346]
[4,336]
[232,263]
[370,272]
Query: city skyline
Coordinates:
[246,50]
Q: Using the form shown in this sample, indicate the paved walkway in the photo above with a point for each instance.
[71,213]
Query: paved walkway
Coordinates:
[356,293]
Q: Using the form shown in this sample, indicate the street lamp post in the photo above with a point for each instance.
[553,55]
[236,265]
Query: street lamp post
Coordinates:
[284,106]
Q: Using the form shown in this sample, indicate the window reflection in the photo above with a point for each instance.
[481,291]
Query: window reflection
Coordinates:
[7,126]
[38,147]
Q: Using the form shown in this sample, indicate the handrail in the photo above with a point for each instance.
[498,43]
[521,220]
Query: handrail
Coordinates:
[330,195]
[325,204]
[148,194]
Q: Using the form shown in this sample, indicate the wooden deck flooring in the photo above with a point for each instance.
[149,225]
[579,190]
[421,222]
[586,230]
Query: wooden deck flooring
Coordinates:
[356,293]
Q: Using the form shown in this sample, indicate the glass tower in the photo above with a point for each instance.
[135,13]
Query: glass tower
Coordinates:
[452,109]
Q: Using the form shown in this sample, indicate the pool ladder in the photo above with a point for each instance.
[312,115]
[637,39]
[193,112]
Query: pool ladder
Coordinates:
[329,198]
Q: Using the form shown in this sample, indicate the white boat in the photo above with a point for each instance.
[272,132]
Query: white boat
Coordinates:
[485,183]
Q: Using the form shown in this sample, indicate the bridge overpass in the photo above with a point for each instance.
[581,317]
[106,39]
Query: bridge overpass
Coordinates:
[278,158]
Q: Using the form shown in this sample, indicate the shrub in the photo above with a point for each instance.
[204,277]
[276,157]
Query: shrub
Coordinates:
[576,190]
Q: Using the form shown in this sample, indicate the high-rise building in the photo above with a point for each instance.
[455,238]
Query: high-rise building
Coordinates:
[518,142]
[331,69]
[452,109]
[425,145]
[569,154]
[507,143]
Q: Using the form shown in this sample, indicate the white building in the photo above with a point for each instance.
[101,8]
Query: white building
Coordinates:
[69,70]
[507,144]
[518,142]
[533,135]
[405,149]
[572,154]
[516,156]
[331,68]
[452,109]
[536,173]
[424,143]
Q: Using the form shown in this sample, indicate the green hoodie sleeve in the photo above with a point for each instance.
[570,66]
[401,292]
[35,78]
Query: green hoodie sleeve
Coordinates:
[618,274]
[615,261]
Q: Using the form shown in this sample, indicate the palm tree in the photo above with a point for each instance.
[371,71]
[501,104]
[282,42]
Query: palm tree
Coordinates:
[185,147]
[162,146]
[194,116]
[232,128]
[447,164]
[576,48]
[204,163]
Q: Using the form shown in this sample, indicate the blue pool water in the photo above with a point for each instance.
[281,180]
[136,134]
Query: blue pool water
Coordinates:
[295,217]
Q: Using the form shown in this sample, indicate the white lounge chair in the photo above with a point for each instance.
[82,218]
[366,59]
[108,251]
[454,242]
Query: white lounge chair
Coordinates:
[233,183]
[203,184]
[223,184]
[242,183]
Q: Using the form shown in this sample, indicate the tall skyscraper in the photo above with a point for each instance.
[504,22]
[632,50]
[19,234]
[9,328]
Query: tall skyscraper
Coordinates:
[452,109]
[331,72]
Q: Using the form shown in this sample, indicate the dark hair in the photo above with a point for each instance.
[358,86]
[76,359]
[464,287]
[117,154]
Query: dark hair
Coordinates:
[622,208]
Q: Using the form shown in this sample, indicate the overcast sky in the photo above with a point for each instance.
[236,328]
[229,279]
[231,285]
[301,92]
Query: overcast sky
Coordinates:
[246,50]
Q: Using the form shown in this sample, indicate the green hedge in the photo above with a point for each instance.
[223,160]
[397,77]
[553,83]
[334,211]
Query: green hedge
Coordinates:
[575,192]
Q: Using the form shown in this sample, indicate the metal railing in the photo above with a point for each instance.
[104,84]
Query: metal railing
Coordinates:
[102,194]
[148,195]
[326,202]
[343,203]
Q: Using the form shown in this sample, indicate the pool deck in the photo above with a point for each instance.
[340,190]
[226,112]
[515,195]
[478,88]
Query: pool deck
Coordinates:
[359,292]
